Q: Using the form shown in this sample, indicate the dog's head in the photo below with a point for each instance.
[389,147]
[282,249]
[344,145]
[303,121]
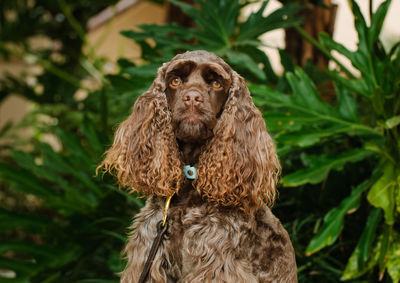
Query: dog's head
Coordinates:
[197,97]
[197,87]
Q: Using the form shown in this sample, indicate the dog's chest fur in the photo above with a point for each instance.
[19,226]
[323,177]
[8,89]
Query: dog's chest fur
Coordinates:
[209,244]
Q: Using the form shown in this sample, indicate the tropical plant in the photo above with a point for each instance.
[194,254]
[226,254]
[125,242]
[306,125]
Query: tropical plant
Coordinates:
[219,29]
[362,127]
[79,220]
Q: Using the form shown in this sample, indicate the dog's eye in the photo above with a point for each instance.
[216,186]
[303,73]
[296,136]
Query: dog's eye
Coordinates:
[176,82]
[216,84]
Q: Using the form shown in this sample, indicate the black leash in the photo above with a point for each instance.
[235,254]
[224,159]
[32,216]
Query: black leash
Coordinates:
[156,243]
[161,229]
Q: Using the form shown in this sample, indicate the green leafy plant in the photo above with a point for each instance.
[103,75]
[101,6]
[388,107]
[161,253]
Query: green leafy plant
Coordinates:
[363,125]
[79,221]
[219,30]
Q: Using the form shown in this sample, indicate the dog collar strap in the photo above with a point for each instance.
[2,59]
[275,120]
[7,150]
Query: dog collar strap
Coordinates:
[190,172]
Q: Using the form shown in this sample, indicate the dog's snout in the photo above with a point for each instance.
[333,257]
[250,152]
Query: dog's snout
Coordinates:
[192,98]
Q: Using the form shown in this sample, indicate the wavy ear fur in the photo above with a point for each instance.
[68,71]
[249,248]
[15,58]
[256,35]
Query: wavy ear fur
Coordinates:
[239,166]
[144,154]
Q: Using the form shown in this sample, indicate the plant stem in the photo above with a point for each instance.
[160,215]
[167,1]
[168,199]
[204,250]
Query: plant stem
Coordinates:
[104,109]
[73,22]
[60,73]
[326,52]
[371,4]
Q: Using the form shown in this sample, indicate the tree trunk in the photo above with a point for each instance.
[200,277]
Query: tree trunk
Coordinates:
[175,15]
[316,19]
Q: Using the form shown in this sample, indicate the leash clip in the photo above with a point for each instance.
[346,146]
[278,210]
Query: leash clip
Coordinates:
[166,207]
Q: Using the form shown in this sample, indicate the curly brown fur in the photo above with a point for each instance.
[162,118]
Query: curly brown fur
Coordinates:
[239,166]
[199,111]
[147,138]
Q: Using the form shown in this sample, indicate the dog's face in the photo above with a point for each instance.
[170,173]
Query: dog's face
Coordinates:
[196,93]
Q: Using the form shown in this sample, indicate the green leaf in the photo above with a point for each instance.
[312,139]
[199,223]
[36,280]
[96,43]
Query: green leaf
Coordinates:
[27,162]
[163,35]
[353,270]
[77,153]
[25,181]
[10,220]
[334,219]
[256,24]
[381,193]
[305,99]
[43,255]
[305,93]
[22,269]
[220,13]
[73,196]
[397,193]
[392,122]
[89,130]
[143,72]
[286,61]
[216,19]
[359,86]
[251,48]
[393,258]
[279,121]
[55,161]
[308,137]
[384,248]
[329,43]
[347,103]
[363,249]
[243,60]
[320,168]
[377,21]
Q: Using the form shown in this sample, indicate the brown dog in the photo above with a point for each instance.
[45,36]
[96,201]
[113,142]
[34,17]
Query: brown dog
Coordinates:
[199,112]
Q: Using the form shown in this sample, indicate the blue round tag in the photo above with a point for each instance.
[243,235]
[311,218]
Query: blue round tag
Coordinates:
[190,172]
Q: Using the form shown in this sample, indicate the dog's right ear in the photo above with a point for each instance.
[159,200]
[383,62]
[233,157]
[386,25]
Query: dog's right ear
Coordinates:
[144,155]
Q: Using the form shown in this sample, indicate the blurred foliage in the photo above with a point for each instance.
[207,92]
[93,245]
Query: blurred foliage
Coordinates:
[59,222]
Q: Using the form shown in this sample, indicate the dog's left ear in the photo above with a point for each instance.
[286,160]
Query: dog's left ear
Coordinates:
[239,166]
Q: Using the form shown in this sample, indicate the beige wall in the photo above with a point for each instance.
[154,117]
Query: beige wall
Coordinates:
[13,108]
[109,43]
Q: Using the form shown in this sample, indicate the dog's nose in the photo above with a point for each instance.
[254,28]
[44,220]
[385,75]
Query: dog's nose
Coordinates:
[192,98]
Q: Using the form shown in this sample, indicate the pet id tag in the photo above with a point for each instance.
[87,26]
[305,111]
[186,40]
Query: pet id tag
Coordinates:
[190,172]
